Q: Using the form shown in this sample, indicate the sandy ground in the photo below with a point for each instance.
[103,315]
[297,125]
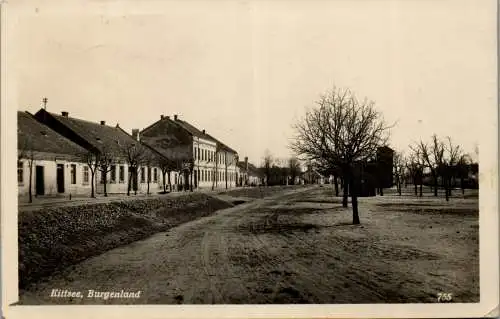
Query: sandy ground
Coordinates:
[295,247]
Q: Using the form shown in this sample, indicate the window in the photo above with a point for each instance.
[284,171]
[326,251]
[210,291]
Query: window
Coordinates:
[202,175]
[73,173]
[155,175]
[143,175]
[113,173]
[149,174]
[20,172]
[194,153]
[85,177]
[121,174]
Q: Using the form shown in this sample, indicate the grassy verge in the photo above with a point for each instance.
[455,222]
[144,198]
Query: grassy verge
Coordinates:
[52,239]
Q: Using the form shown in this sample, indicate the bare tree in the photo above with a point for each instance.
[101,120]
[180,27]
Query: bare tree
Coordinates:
[398,170]
[294,169]
[344,133]
[432,157]
[451,159]
[25,151]
[229,159]
[415,170]
[215,173]
[92,160]
[268,162]
[104,161]
[166,166]
[133,153]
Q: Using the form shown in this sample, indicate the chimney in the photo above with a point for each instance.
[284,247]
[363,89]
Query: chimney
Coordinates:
[203,132]
[135,134]
[175,117]
[246,163]
[103,122]
[162,116]
[64,113]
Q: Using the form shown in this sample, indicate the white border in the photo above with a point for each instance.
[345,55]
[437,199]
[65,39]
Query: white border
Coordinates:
[489,281]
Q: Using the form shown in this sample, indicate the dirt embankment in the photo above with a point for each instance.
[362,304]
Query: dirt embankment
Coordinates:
[54,238]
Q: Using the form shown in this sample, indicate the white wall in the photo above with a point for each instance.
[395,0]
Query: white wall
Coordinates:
[50,178]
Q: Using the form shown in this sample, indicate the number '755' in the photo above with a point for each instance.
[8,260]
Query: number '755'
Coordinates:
[442,297]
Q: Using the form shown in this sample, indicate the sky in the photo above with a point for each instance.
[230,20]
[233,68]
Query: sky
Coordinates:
[246,71]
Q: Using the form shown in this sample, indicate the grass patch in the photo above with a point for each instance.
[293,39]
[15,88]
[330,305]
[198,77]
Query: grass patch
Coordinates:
[55,238]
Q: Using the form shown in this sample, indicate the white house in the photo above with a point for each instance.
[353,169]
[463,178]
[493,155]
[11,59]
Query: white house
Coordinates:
[202,160]
[132,165]
[54,164]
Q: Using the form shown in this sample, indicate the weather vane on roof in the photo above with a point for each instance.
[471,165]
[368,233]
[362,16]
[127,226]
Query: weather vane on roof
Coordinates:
[44,100]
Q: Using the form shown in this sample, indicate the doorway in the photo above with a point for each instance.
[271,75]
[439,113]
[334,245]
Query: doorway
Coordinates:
[60,178]
[39,181]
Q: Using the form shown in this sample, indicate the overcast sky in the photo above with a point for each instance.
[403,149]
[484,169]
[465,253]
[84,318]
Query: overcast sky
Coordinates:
[246,70]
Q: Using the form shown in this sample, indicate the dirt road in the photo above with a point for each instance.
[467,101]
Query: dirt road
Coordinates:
[292,248]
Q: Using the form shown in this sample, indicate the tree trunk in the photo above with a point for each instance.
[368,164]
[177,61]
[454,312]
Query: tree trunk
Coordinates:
[462,185]
[446,188]
[345,192]
[129,181]
[225,174]
[169,182]
[416,187]
[421,186]
[105,182]
[30,192]
[92,192]
[354,199]
[381,191]
[435,186]
[336,186]
[191,181]
[164,182]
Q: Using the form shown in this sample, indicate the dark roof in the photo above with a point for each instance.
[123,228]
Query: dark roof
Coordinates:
[193,130]
[252,169]
[170,139]
[223,146]
[94,136]
[35,136]
[101,137]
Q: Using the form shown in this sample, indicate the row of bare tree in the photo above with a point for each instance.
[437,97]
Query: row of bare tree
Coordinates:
[341,134]
[280,172]
[442,160]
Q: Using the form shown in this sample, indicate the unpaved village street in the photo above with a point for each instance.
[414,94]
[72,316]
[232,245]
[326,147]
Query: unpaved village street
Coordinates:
[295,247]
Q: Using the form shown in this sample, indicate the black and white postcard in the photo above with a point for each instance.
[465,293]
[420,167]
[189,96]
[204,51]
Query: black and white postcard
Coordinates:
[249,158]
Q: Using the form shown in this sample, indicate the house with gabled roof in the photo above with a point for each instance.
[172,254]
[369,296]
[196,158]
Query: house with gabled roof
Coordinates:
[119,163]
[248,174]
[48,163]
[206,161]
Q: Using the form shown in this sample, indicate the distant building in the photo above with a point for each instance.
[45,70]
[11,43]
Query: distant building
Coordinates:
[55,163]
[248,174]
[101,139]
[312,176]
[205,161]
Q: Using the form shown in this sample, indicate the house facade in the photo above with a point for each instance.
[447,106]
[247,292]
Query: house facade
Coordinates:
[202,161]
[117,162]
[248,174]
[48,162]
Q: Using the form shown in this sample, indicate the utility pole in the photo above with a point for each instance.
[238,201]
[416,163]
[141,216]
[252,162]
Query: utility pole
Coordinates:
[45,100]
